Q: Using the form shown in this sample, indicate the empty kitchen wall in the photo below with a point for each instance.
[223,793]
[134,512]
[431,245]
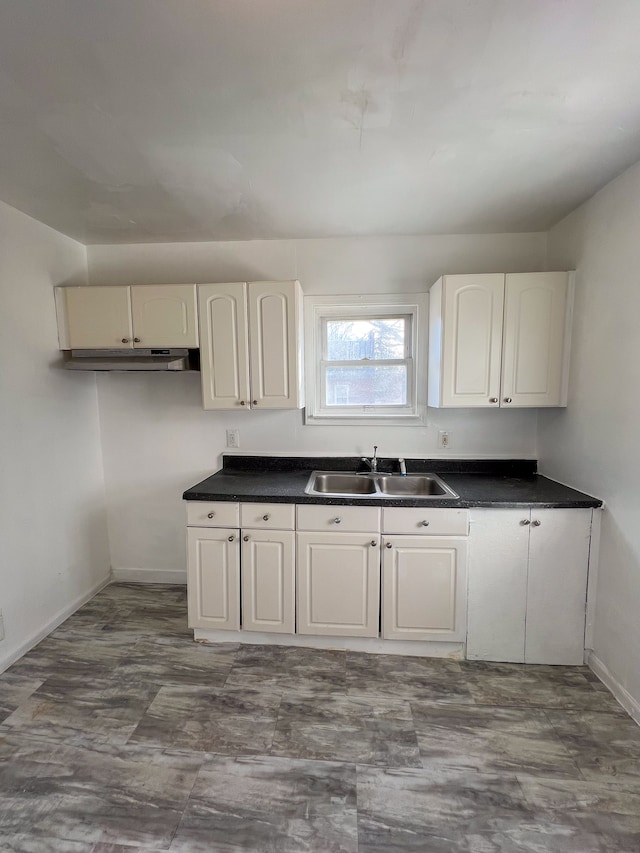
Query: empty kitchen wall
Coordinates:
[157,440]
[593,443]
[52,506]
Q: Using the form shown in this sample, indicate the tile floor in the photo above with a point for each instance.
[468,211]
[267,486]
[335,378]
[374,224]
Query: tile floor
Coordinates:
[119,733]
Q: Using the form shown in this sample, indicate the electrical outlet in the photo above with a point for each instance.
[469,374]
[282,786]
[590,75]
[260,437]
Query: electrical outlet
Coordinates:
[444,438]
[1,626]
[233,438]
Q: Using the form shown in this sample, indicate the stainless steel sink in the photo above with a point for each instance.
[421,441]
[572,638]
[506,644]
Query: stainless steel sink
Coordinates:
[344,484]
[333,483]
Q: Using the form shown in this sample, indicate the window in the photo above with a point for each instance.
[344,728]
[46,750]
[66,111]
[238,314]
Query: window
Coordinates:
[365,359]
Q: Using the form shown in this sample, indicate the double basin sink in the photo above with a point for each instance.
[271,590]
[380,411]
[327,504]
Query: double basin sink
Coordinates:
[344,484]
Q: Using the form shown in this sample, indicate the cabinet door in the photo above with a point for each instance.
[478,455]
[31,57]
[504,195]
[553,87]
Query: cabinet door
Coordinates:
[99,317]
[533,357]
[557,585]
[423,588]
[268,568]
[224,354]
[164,315]
[338,584]
[275,344]
[213,569]
[472,339]
[497,588]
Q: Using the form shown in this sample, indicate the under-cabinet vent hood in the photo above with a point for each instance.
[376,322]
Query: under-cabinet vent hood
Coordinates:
[118,359]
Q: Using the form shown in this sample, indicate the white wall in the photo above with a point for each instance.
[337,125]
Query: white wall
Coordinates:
[593,444]
[52,512]
[157,440]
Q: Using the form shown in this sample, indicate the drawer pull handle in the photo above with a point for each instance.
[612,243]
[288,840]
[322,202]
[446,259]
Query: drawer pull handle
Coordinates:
[266,516]
[245,538]
[536,523]
[125,340]
[388,545]
[524,522]
[424,523]
[493,399]
[242,403]
[254,402]
[210,514]
[337,520]
[231,538]
[507,400]
[136,340]
[373,543]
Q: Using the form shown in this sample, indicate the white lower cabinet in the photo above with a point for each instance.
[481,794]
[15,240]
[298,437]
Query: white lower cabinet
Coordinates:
[423,588]
[528,585]
[268,581]
[213,578]
[338,583]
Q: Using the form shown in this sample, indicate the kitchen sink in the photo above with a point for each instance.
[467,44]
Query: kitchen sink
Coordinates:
[332,483]
[343,484]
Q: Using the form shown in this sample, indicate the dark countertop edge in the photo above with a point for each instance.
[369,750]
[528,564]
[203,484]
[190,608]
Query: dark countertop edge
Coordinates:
[437,503]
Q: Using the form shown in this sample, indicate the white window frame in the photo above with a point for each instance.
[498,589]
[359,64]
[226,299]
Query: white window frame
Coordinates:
[317,309]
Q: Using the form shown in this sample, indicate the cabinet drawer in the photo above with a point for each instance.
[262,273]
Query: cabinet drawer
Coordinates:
[433,522]
[212,514]
[348,518]
[268,516]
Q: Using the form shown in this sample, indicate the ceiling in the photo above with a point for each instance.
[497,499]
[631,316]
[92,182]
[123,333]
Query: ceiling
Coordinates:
[181,120]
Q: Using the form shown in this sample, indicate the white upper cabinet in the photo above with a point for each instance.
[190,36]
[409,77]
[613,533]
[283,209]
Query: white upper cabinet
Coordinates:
[533,347]
[96,317]
[251,344]
[499,340]
[164,315]
[143,316]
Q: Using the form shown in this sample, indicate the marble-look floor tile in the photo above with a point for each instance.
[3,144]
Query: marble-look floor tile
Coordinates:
[131,795]
[14,690]
[491,740]
[28,844]
[270,805]
[289,668]
[337,727]
[225,720]
[612,810]
[178,662]
[528,686]
[604,746]
[103,711]
[403,677]
[440,811]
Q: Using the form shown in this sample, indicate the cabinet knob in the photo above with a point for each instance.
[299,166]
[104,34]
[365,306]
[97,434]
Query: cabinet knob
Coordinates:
[136,340]
[210,514]
[242,403]
[388,545]
[231,538]
[254,402]
[266,516]
[125,340]
[373,543]
[524,522]
[337,520]
[245,538]
[424,523]
[507,400]
[536,523]
[493,399]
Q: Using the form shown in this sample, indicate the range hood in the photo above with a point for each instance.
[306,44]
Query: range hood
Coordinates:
[127,360]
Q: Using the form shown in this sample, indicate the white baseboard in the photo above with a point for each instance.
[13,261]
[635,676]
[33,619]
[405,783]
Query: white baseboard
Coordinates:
[148,575]
[52,624]
[631,705]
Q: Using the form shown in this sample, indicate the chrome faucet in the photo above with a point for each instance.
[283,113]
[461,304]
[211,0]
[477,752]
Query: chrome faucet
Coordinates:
[403,467]
[373,462]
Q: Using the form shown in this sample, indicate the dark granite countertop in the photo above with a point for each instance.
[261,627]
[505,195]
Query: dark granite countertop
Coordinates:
[480,483]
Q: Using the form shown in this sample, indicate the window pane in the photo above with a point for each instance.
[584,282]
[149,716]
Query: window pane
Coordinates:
[353,340]
[367,386]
